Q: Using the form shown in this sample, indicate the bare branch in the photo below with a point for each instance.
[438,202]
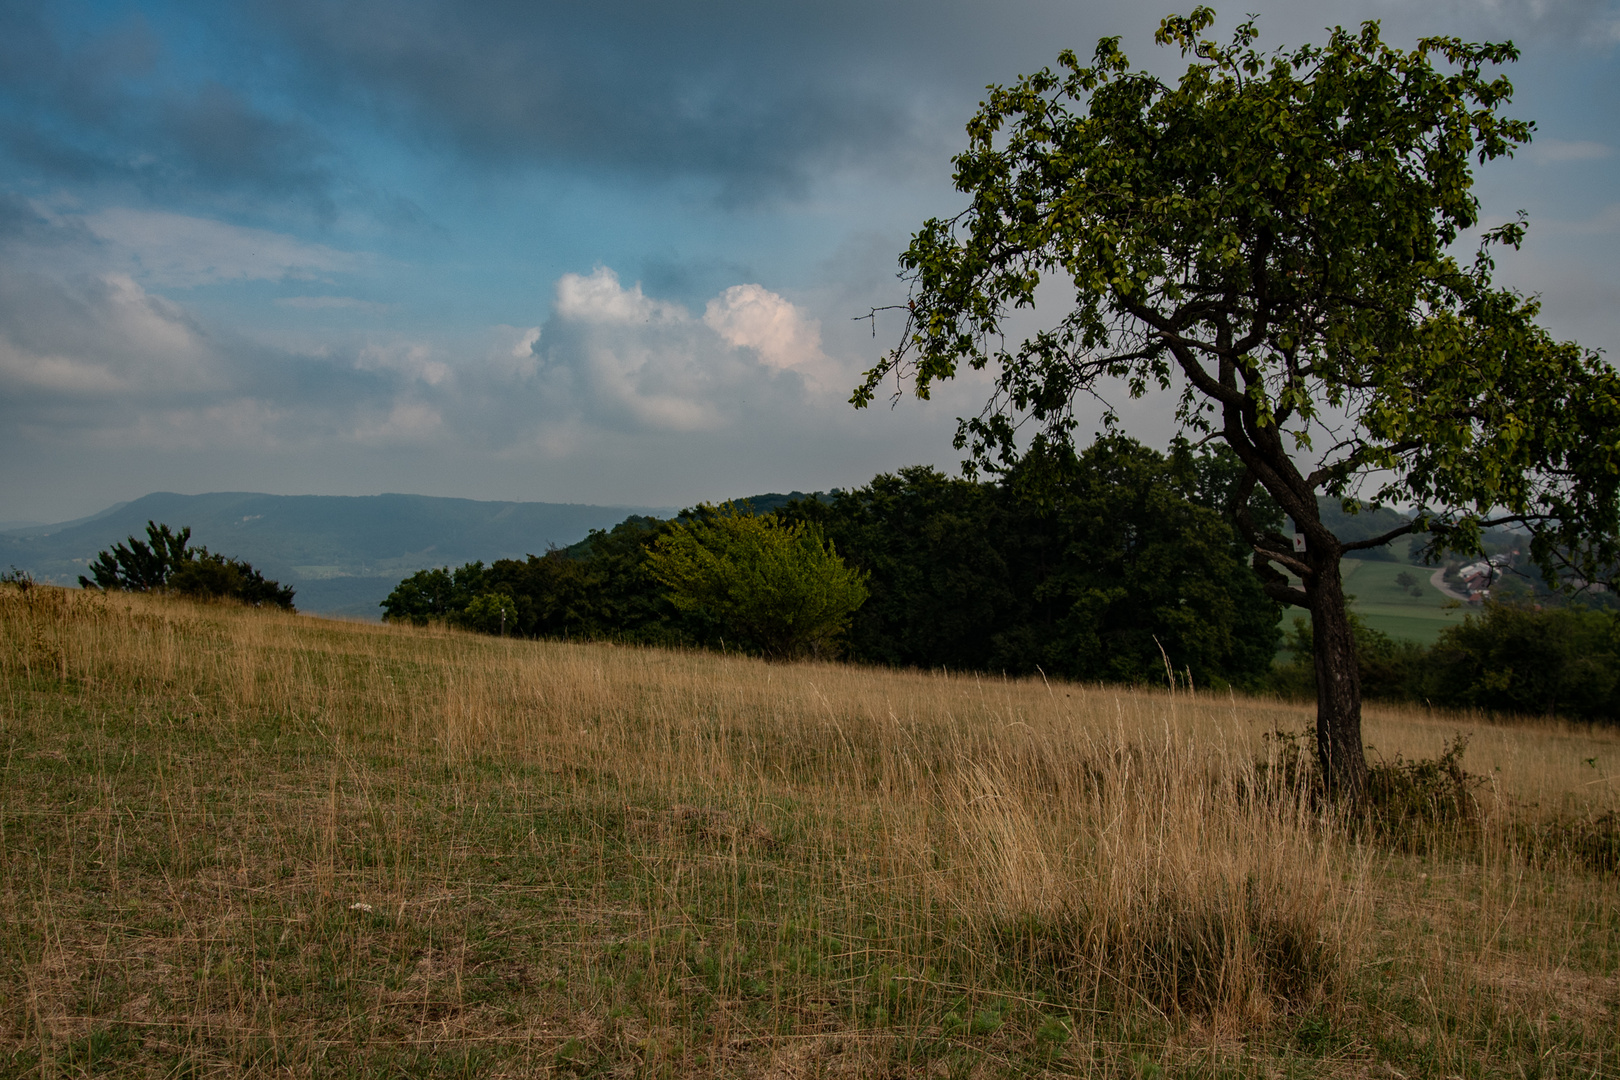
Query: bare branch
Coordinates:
[1381,540]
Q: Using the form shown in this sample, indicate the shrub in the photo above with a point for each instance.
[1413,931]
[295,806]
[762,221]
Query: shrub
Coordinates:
[1513,659]
[1408,801]
[491,613]
[167,561]
[777,588]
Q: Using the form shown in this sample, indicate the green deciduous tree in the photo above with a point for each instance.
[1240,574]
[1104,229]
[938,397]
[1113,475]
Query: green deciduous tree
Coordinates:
[491,613]
[1271,240]
[773,587]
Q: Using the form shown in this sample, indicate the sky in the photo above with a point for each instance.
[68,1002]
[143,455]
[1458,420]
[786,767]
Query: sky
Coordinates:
[608,253]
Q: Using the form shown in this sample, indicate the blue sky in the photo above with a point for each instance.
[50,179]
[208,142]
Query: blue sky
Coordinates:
[606,252]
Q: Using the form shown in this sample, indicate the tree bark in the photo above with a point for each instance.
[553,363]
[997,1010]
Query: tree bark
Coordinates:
[1339,749]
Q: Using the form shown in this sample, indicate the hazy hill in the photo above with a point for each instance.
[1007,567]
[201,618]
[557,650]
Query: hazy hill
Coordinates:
[1365,525]
[342,553]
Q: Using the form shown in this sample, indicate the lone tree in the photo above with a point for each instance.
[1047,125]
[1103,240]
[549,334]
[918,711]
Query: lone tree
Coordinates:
[777,587]
[1271,240]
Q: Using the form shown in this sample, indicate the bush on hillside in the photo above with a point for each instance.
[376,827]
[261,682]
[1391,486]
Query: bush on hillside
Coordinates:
[773,587]
[1512,659]
[166,561]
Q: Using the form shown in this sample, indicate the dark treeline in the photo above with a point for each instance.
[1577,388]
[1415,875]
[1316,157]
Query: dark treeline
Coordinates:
[1111,565]
[1116,565]
[1129,570]
[601,587]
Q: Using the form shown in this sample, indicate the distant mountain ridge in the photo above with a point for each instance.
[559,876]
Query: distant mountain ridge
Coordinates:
[342,553]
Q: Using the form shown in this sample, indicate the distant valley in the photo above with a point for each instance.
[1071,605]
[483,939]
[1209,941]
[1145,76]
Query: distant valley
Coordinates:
[343,554]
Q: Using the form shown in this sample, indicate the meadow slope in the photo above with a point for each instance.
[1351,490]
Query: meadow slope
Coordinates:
[254,843]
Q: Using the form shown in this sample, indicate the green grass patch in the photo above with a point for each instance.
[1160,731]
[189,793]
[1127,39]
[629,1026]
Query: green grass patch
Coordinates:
[1408,612]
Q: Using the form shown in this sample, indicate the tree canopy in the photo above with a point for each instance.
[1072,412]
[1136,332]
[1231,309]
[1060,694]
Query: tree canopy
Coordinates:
[1108,573]
[1125,564]
[1272,240]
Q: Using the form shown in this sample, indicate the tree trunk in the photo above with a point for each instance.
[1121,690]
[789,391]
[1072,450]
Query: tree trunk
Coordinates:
[1339,748]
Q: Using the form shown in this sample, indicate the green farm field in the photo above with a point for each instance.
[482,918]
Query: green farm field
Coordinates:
[244,843]
[1388,607]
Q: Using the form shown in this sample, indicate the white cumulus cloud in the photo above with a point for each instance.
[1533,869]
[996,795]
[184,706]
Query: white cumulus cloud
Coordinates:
[613,355]
[599,298]
[753,317]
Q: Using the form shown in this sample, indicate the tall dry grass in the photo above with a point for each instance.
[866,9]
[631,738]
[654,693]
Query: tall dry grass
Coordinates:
[1088,851]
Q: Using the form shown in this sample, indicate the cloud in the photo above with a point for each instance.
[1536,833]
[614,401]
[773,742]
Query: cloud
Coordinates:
[96,338]
[91,354]
[108,103]
[56,373]
[599,298]
[228,143]
[758,102]
[1593,23]
[752,317]
[87,345]
[333,303]
[107,386]
[755,103]
[406,423]
[1549,151]
[182,250]
[1605,222]
[413,360]
[616,356]
[523,347]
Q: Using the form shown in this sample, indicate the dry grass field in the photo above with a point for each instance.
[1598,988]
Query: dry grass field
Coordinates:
[238,842]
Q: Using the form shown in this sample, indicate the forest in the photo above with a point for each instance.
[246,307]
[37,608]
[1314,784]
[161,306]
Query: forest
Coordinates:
[1116,564]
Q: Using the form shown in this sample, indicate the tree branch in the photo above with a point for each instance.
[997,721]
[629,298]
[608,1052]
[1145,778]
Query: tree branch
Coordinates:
[1380,541]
